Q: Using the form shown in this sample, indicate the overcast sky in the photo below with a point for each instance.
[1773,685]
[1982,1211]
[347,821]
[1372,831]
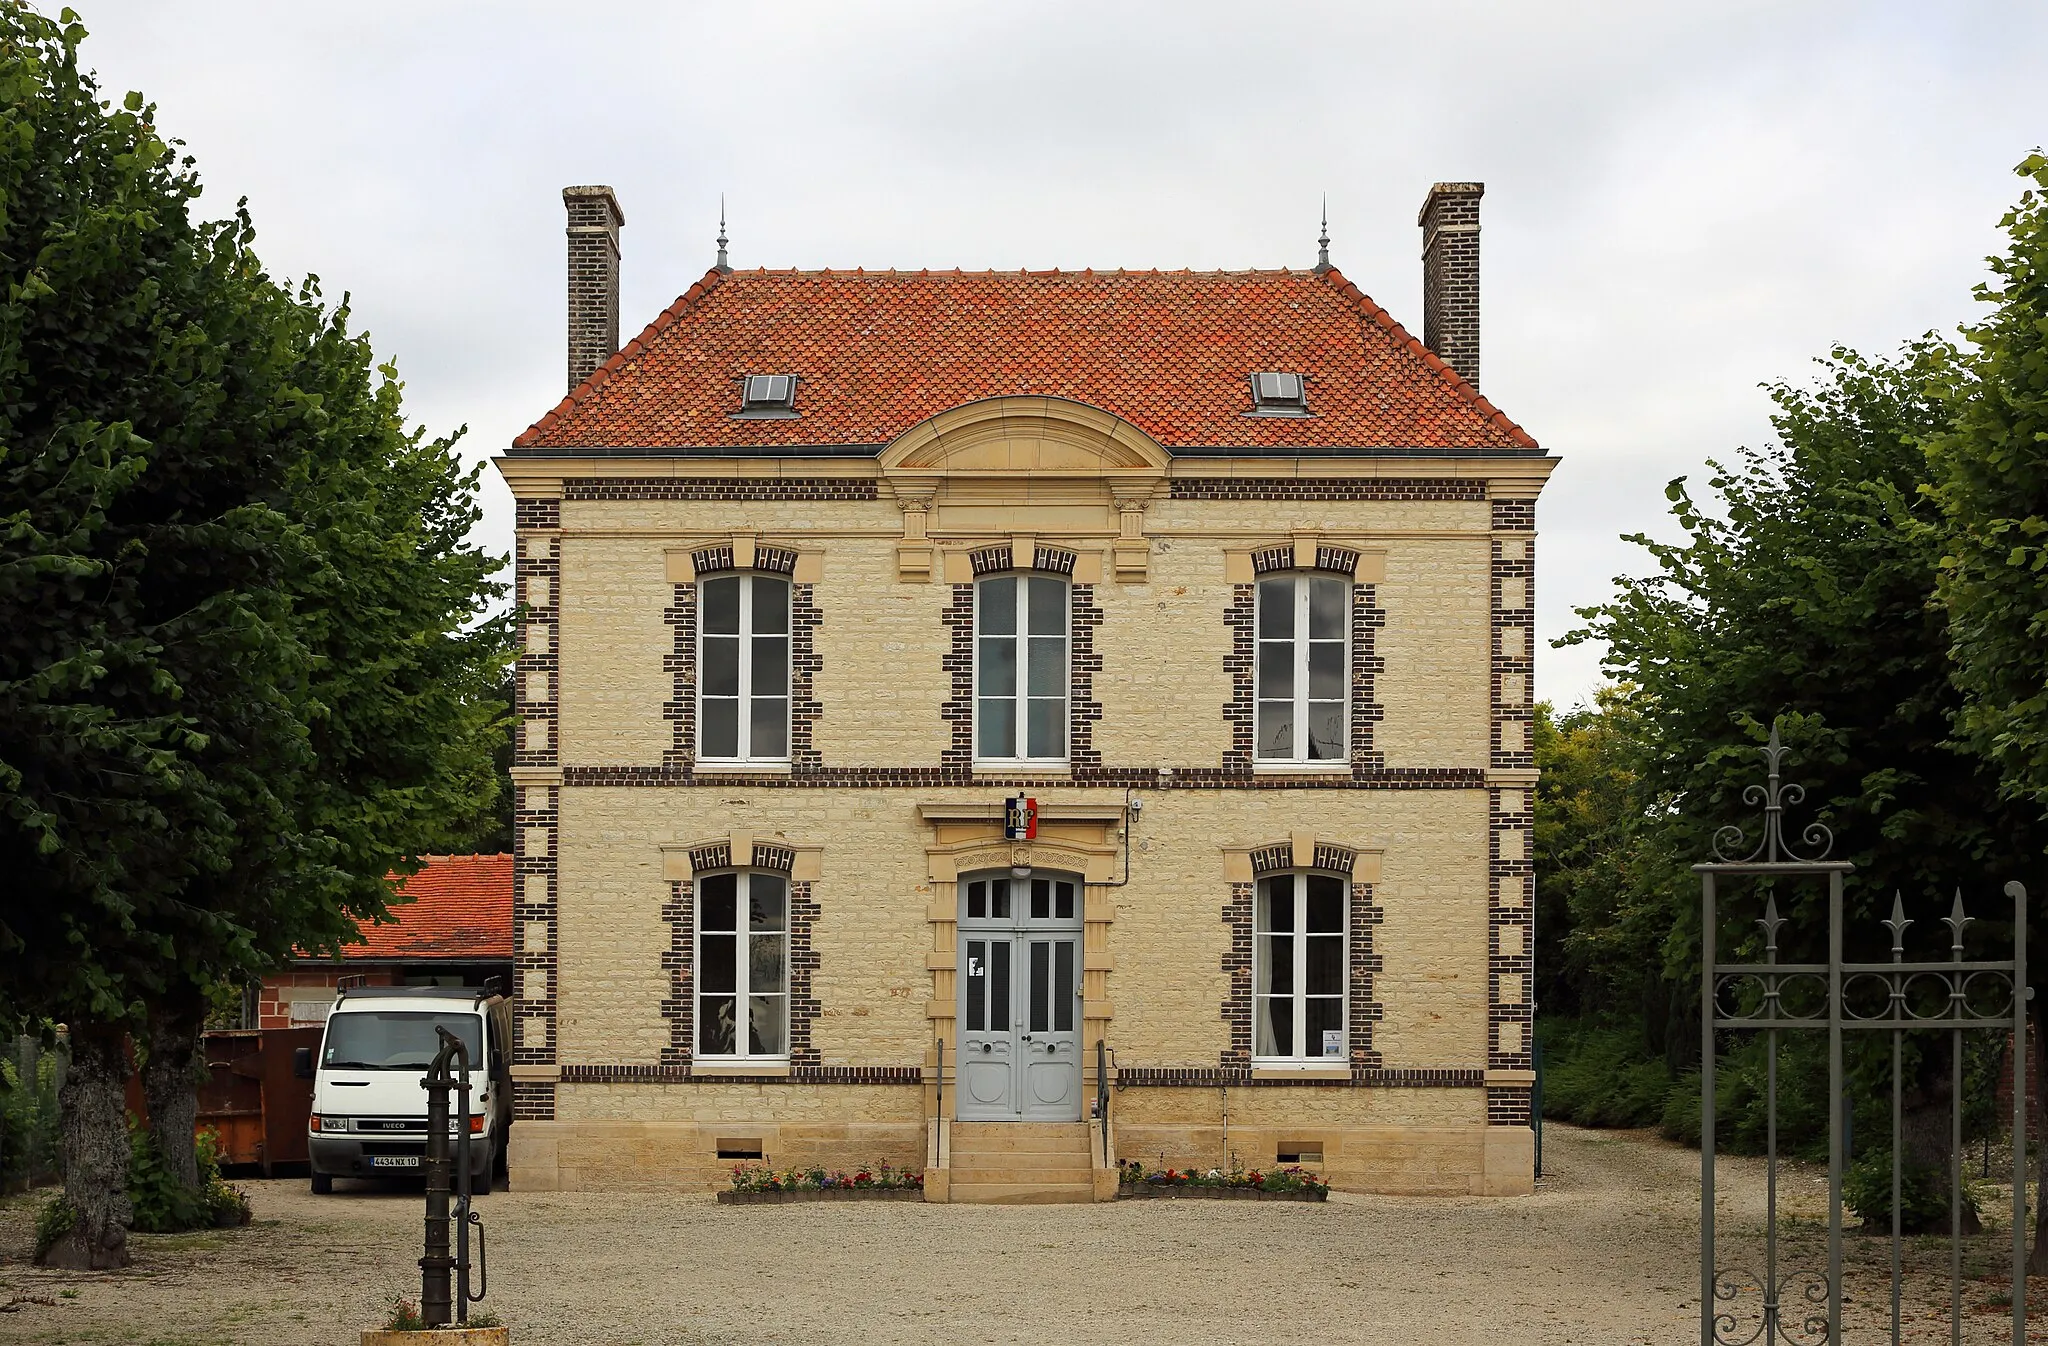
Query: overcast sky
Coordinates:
[1682,201]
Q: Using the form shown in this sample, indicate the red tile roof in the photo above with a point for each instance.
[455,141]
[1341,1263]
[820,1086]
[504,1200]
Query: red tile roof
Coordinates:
[460,906]
[1169,351]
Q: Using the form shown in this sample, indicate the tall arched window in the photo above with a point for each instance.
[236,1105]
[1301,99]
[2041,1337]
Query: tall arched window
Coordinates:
[1020,668]
[742,969]
[1304,623]
[743,668]
[1299,984]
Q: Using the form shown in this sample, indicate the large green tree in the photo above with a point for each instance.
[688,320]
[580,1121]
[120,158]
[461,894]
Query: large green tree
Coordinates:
[1991,479]
[241,678]
[1989,465]
[1805,595]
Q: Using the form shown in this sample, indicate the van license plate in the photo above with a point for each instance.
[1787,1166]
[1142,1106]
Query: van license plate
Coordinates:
[394,1161]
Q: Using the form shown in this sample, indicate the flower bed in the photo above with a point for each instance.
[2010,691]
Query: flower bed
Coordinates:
[765,1186]
[1292,1183]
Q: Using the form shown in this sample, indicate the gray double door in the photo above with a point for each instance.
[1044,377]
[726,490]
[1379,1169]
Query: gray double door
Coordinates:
[1020,998]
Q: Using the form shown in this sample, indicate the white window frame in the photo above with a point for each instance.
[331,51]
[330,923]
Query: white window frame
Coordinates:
[743,966]
[1021,698]
[745,735]
[1302,581]
[1302,1059]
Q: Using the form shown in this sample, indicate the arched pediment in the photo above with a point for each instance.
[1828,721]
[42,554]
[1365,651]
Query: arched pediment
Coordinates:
[1042,435]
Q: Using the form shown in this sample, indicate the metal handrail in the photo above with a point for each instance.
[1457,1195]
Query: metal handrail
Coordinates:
[1102,1096]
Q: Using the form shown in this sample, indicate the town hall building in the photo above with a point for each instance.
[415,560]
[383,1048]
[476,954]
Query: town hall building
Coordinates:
[1002,723]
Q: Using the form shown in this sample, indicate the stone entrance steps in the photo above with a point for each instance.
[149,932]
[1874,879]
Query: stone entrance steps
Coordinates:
[1020,1163]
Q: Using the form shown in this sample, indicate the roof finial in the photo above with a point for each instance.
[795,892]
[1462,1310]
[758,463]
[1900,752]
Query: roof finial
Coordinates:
[724,269]
[1323,256]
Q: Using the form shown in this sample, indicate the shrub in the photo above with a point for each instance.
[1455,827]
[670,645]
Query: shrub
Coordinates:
[1597,1076]
[404,1317]
[754,1178]
[54,1220]
[162,1206]
[1923,1195]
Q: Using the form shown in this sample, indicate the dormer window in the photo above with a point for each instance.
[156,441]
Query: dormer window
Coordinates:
[767,397]
[1279,394]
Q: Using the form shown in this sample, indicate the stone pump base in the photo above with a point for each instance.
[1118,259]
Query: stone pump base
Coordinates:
[440,1336]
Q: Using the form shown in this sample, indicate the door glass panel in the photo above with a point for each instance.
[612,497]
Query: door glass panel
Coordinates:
[999,899]
[1041,987]
[977,984]
[999,986]
[1063,908]
[1041,899]
[1063,986]
[977,901]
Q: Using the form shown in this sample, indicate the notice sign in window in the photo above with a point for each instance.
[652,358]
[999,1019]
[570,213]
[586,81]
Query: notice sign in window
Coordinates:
[1333,1042]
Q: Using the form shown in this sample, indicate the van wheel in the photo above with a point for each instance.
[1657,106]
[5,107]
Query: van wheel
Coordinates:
[323,1183]
[482,1184]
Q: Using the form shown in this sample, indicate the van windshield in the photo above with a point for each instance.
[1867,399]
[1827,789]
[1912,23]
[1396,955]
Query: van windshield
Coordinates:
[396,1039]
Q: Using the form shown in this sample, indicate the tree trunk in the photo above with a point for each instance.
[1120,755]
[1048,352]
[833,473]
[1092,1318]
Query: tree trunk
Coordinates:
[169,1082]
[1925,1128]
[95,1151]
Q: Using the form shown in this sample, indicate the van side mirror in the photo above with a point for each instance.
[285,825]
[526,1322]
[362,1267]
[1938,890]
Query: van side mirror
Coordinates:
[302,1063]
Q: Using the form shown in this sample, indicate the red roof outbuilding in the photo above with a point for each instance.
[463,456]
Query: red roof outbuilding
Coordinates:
[457,907]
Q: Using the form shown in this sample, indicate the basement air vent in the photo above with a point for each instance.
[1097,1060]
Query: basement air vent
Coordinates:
[1276,394]
[767,396]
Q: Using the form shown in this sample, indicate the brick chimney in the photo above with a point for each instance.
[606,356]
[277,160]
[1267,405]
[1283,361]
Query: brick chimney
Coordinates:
[1450,275]
[594,222]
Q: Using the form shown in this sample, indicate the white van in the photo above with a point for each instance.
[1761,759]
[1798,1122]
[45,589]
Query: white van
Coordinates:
[369,1109]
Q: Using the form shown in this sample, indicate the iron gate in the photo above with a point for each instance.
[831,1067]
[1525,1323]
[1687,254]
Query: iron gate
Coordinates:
[1802,1305]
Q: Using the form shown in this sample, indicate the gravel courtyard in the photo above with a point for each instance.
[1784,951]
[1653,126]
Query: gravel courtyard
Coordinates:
[1606,1252]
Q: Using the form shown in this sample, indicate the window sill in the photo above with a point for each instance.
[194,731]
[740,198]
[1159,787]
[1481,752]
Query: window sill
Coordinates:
[740,1070]
[1049,770]
[713,766]
[1301,768]
[1288,1071]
